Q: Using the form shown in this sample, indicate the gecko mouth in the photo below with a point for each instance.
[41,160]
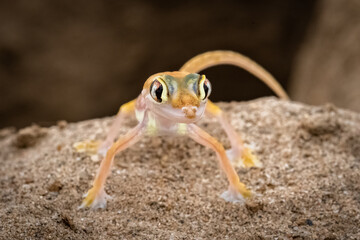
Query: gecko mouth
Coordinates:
[184,114]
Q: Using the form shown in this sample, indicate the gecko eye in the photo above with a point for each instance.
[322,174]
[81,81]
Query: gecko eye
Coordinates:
[158,90]
[204,87]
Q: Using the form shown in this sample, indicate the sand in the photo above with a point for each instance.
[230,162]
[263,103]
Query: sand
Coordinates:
[168,188]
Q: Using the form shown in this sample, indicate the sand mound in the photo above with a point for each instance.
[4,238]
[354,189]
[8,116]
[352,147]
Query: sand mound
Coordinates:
[169,188]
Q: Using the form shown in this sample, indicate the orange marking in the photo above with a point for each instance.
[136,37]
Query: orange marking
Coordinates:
[213,109]
[128,107]
[185,99]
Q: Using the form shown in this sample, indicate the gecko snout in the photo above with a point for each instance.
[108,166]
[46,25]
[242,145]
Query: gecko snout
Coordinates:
[190,111]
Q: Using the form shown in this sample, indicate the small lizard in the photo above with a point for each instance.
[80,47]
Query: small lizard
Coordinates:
[171,103]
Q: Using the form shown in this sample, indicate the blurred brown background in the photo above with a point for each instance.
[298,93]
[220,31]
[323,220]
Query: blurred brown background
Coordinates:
[76,60]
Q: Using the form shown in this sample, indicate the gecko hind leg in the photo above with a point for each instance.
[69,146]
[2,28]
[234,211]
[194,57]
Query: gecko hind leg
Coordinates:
[239,154]
[237,191]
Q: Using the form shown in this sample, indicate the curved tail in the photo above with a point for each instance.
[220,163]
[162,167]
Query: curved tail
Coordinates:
[213,58]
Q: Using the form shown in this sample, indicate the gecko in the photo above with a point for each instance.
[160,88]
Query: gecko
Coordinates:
[171,103]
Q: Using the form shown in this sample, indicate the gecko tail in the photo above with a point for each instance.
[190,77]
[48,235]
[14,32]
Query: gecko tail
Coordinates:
[223,57]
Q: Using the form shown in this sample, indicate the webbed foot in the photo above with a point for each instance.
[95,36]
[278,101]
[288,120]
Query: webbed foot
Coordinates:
[89,146]
[92,147]
[243,158]
[95,199]
[236,194]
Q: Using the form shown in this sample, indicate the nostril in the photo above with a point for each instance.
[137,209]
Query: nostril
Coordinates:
[189,109]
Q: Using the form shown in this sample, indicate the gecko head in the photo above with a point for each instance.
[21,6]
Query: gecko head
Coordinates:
[179,96]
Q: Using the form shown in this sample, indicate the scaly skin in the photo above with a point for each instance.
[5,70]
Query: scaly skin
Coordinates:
[172,103]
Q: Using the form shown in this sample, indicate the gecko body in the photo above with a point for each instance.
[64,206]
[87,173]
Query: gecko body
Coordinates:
[171,103]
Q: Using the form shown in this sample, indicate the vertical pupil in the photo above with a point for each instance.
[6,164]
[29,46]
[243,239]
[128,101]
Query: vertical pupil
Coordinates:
[158,92]
[206,90]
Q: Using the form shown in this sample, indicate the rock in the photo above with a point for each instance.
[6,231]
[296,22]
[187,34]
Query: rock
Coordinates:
[27,137]
[56,186]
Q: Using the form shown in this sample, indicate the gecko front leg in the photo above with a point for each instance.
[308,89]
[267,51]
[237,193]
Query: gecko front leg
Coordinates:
[237,190]
[96,196]
[239,154]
